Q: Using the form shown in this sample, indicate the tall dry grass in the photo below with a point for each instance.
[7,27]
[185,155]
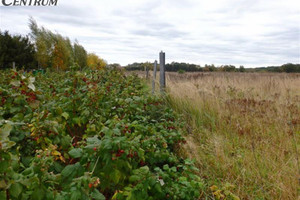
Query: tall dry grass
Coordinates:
[244,128]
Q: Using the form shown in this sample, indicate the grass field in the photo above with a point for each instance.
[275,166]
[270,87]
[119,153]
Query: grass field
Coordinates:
[242,129]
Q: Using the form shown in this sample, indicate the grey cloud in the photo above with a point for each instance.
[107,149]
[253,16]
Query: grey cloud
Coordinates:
[161,33]
[291,34]
[81,22]
[158,25]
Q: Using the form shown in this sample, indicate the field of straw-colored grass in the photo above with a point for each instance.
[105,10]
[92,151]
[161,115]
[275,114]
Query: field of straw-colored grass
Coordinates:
[243,128]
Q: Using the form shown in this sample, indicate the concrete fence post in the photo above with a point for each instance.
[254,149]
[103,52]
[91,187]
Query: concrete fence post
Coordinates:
[154,76]
[14,65]
[162,78]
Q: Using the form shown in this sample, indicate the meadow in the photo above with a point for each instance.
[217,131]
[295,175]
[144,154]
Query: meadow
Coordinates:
[243,130]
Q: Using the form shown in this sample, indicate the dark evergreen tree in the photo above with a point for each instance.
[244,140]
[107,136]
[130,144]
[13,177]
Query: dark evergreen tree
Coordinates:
[16,49]
[291,68]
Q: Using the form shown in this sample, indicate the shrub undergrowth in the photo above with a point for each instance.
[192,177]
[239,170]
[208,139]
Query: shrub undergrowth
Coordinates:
[89,135]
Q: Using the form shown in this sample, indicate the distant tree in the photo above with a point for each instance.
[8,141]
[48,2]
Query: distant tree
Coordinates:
[80,55]
[147,65]
[175,66]
[94,62]
[114,66]
[44,43]
[291,68]
[62,57]
[268,69]
[210,68]
[205,69]
[16,49]
[55,51]
[242,69]
[288,68]
[171,67]
[228,68]
[135,66]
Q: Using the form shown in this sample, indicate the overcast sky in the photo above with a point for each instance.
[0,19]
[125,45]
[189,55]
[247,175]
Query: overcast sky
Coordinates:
[240,32]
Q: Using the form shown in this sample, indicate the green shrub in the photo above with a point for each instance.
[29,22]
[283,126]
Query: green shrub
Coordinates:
[89,135]
[181,71]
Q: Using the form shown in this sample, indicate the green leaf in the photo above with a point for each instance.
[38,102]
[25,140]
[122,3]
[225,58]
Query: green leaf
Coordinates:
[76,195]
[115,175]
[141,171]
[234,197]
[15,190]
[5,131]
[2,184]
[166,167]
[49,195]
[144,170]
[97,195]
[134,178]
[76,120]
[38,194]
[67,171]
[116,131]
[2,195]
[8,144]
[76,153]
[157,187]
[93,140]
[173,169]
[58,167]
[4,162]
[4,166]
[59,197]
[65,141]
[65,115]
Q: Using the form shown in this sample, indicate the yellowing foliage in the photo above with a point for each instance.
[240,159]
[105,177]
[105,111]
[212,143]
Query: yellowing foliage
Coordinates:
[58,61]
[94,62]
[56,51]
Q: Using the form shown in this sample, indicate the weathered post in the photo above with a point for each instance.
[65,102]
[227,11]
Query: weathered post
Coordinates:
[147,73]
[162,81]
[14,65]
[154,76]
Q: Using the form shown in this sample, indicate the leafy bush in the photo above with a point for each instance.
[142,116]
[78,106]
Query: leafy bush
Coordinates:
[181,71]
[89,135]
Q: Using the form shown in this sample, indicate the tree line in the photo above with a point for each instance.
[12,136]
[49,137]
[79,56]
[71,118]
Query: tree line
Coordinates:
[186,67]
[43,49]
